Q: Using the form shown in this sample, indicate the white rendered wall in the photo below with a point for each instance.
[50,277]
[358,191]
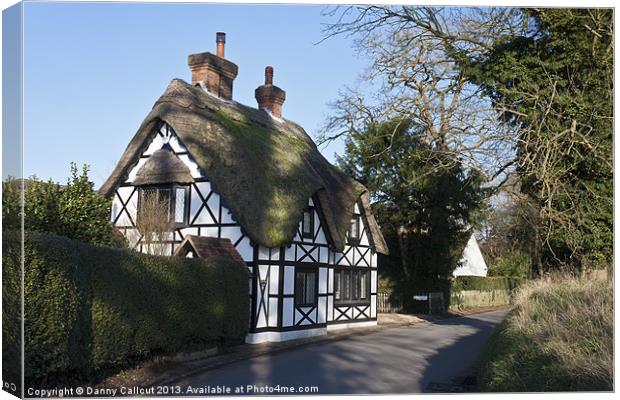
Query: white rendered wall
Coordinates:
[472,262]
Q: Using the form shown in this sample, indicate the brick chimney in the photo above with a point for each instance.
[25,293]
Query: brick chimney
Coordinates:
[214,71]
[270,97]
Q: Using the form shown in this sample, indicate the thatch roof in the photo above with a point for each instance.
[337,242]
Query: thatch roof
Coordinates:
[205,247]
[264,169]
[163,166]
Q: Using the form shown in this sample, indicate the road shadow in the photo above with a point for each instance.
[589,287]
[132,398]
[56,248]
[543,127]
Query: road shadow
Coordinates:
[390,361]
[463,355]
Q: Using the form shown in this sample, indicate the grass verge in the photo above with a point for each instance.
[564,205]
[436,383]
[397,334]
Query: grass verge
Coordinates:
[559,337]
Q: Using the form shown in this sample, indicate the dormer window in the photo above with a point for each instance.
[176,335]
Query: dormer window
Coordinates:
[354,229]
[164,183]
[307,224]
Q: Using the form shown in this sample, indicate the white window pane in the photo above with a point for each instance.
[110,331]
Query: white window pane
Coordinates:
[179,213]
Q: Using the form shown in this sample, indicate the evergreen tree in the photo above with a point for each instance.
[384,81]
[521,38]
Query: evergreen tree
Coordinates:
[426,206]
[554,82]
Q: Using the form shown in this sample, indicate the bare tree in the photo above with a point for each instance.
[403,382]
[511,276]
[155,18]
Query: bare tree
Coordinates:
[154,223]
[558,126]
[414,75]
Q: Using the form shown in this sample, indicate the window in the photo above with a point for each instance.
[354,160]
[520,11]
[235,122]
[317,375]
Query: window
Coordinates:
[346,285]
[307,225]
[351,286]
[154,200]
[305,288]
[179,205]
[337,285]
[364,285]
[168,200]
[355,282]
[354,230]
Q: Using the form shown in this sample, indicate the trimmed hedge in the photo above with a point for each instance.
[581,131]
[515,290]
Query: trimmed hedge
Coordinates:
[91,309]
[485,283]
[11,315]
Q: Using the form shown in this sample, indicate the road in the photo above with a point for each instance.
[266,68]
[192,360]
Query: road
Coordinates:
[393,360]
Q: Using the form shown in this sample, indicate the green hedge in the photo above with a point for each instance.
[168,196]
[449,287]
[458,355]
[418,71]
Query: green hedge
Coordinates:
[485,283]
[90,309]
[11,314]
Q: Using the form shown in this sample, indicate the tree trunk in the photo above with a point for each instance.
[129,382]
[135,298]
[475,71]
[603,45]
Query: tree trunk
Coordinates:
[536,256]
[403,244]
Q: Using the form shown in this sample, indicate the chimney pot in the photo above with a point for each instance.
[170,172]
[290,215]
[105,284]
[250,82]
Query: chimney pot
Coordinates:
[269,75]
[213,70]
[220,40]
[270,97]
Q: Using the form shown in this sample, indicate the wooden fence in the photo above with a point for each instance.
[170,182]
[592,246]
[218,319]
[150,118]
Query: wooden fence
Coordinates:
[389,303]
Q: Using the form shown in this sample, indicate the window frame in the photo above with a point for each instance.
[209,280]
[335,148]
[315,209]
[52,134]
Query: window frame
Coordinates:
[351,282]
[355,239]
[337,286]
[172,206]
[310,234]
[306,271]
[365,287]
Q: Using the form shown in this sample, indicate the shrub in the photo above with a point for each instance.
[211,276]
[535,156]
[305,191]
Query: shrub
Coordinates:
[482,291]
[11,209]
[385,284]
[75,210]
[485,283]
[512,264]
[558,338]
[90,309]
[84,214]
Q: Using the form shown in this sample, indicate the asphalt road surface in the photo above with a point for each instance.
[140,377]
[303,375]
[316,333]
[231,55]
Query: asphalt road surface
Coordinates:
[411,359]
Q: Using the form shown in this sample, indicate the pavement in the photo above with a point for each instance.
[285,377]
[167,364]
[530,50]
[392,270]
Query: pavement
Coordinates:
[439,356]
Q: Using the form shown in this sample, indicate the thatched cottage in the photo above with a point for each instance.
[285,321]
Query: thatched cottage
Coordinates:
[248,183]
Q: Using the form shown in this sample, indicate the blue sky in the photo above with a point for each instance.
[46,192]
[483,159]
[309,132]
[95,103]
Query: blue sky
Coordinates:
[92,71]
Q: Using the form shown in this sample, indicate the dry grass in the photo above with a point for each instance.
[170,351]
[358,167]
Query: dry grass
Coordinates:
[559,337]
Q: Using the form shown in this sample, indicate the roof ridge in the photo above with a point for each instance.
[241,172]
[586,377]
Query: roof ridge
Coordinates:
[257,115]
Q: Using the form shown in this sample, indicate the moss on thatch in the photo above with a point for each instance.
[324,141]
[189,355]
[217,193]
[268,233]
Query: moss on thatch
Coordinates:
[264,169]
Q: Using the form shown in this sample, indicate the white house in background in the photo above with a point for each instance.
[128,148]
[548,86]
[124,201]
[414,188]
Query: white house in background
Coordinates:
[472,262]
[256,185]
